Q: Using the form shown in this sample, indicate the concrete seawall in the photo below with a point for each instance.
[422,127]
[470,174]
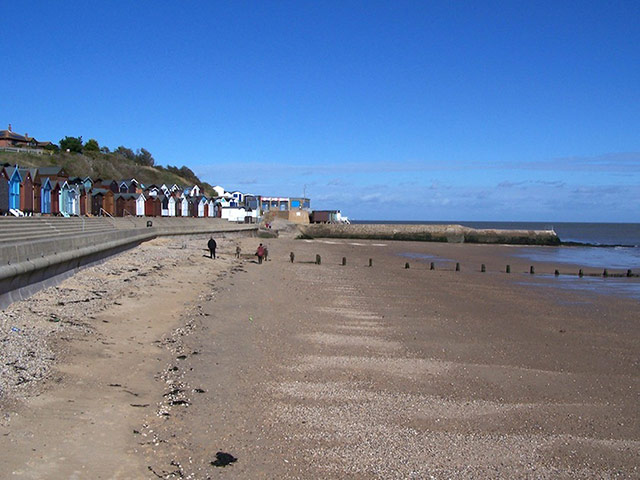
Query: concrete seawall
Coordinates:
[431,233]
[27,267]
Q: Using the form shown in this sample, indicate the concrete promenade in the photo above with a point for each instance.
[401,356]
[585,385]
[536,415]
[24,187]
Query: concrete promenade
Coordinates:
[27,266]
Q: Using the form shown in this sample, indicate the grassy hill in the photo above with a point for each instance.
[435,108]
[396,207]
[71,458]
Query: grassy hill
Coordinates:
[107,166]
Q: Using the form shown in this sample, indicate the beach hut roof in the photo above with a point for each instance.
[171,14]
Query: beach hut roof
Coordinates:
[52,171]
[125,196]
[99,191]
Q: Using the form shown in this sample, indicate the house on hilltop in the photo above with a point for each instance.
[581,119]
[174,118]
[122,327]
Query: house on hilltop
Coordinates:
[9,138]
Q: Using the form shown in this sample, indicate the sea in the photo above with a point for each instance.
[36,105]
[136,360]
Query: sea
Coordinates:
[613,246]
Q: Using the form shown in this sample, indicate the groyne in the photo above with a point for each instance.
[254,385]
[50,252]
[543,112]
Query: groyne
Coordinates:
[29,266]
[430,233]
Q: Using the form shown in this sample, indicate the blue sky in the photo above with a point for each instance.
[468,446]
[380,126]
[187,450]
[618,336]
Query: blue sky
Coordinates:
[515,110]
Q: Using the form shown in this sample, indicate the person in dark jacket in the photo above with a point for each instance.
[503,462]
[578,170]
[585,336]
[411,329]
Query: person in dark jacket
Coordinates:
[212,247]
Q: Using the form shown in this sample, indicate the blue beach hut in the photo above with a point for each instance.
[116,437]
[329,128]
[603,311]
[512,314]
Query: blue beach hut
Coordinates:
[14,189]
[45,196]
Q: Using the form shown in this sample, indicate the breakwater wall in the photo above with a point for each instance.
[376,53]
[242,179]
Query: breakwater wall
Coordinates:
[29,266]
[430,233]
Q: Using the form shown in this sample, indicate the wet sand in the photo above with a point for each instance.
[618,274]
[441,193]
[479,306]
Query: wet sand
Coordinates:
[330,371]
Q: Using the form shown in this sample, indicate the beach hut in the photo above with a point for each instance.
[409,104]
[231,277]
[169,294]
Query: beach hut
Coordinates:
[125,204]
[171,206]
[69,199]
[97,194]
[135,186]
[157,205]
[148,205]
[151,190]
[218,206]
[37,185]
[109,203]
[4,191]
[164,200]
[200,203]
[140,200]
[45,196]
[193,207]
[55,196]
[26,190]
[184,206]
[153,206]
[113,186]
[73,199]
[87,183]
[84,200]
[211,208]
[15,180]
[63,202]
[97,200]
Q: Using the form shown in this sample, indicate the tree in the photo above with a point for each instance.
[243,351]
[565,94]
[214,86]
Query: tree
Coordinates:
[125,152]
[105,149]
[52,147]
[92,145]
[72,144]
[186,172]
[144,157]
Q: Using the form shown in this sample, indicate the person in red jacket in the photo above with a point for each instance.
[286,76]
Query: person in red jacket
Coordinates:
[260,253]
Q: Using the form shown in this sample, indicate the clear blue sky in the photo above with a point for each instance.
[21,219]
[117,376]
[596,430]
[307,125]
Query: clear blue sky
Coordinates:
[477,110]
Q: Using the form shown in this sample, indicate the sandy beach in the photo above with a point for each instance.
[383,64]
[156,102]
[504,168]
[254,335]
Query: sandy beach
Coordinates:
[148,365]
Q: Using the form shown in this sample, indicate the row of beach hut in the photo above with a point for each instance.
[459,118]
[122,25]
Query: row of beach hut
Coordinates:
[49,191]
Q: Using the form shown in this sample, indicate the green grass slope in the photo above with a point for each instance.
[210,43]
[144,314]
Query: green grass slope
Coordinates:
[108,166]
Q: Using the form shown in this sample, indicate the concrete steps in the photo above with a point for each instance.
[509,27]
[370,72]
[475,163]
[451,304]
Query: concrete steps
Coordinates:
[27,229]
[17,230]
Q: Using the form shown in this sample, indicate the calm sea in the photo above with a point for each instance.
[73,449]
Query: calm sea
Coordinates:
[598,245]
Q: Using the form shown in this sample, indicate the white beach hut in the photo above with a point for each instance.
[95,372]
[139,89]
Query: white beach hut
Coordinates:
[201,204]
[140,199]
[184,207]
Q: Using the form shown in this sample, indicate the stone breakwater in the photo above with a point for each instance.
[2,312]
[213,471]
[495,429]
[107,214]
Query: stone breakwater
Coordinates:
[430,233]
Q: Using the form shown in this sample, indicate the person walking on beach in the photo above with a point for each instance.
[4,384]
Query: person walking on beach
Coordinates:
[211,244]
[260,253]
[266,253]
[238,250]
